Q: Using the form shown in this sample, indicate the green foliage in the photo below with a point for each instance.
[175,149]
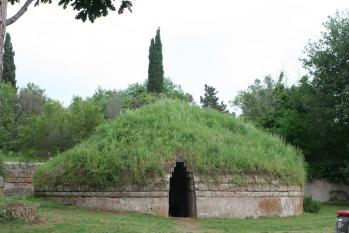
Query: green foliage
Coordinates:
[145,143]
[2,169]
[45,127]
[327,61]
[20,156]
[7,216]
[210,100]
[30,101]
[311,206]
[111,102]
[136,95]
[39,127]
[7,115]
[263,102]
[155,82]
[313,115]
[90,10]
[173,91]
[57,129]
[9,67]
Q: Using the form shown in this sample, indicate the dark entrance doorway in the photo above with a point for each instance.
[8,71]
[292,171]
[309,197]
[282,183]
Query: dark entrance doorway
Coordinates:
[182,202]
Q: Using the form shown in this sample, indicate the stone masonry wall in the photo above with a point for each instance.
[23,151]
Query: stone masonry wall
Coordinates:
[226,200]
[219,200]
[18,178]
[323,191]
[2,186]
[150,199]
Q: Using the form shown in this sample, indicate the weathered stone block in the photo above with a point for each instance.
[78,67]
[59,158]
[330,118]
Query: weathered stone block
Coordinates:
[21,211]
[18,189]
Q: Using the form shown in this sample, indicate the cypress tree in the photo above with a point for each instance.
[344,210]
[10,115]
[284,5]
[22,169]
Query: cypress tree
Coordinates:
[155,69]
[9,71]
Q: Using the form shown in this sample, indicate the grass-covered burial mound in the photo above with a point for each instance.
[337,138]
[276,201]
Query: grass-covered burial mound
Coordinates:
[145,143]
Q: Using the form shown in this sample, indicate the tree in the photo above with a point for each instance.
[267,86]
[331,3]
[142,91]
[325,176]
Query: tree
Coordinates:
[263,101]
[90,10]
[210,100]
[30,100]
[155,70]
[57,128]
[313,115]
[7,115]
[9,72]
[114,105]
[327,61]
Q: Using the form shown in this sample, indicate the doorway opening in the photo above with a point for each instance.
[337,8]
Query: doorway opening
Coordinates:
[182,201]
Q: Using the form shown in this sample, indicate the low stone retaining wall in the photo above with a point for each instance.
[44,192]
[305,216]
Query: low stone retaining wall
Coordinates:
[27,213]
[219,200]
[18,178]
[2,185]
[323,191]
[150,199]
[228,200]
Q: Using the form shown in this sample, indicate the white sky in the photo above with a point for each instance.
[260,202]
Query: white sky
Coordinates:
[226,44]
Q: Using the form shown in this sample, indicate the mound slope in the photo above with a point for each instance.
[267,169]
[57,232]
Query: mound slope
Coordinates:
[145,143]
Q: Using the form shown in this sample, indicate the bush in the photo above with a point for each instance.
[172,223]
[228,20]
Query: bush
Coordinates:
[2,169]
[311,206]
[6,216]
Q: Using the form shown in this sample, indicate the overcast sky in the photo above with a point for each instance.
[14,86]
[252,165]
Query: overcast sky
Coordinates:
[226,44]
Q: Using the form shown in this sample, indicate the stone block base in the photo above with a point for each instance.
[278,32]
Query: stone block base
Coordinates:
[27,213]
[243,207]
[156,206]
[18,189]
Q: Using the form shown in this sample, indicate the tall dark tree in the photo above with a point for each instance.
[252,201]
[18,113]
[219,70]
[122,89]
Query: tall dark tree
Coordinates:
[210,100]
[9,72]
[155,70]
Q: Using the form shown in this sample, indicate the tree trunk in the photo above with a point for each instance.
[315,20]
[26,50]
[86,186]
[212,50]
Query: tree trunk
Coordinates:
[3,12]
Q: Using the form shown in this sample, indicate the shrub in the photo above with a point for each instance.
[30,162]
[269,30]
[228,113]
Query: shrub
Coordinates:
[6,216]
[2,169]
[311,206]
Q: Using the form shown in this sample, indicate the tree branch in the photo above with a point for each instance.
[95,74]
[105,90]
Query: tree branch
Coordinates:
[21,11]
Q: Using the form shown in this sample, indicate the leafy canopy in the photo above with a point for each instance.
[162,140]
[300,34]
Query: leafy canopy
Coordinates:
[88,9]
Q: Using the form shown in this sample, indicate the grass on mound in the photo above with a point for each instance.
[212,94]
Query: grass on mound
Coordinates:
[145,143]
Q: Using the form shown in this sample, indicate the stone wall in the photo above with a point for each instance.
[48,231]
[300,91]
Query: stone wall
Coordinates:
[219,200]
[18,178]
[151,198]
[2,186]
[323,191]
[226,200]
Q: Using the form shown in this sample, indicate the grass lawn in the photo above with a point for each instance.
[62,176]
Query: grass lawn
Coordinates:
[56,218]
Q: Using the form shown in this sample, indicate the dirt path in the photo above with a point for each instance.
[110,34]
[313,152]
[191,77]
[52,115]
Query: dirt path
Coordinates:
[188,225]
